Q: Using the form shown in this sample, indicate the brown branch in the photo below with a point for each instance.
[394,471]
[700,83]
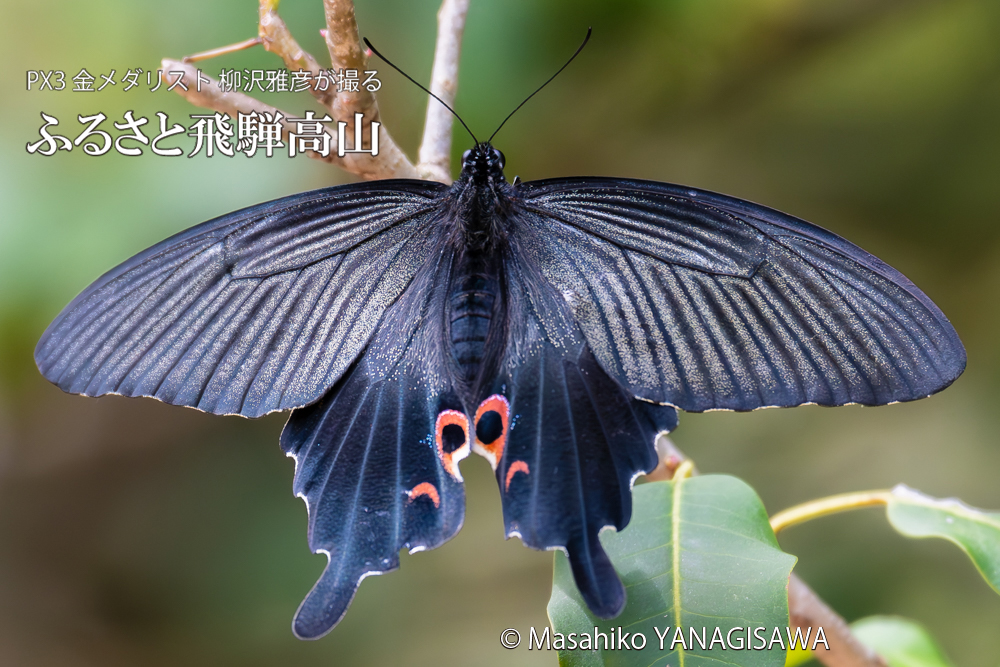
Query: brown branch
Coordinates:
[434,161]
[805,608]
[344,43]
[277,39]
[346,52]
[342,39]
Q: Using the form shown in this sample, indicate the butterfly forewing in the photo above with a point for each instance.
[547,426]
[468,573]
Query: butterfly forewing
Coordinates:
[259,310]
[707,302]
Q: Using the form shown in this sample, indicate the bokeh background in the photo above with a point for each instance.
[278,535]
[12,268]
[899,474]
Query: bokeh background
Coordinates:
[137,533]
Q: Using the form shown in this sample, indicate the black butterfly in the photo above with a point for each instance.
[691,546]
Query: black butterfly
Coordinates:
[554,327]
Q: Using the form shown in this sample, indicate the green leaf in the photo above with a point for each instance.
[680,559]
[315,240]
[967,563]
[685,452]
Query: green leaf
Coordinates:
[902,642]
[975,531]
[728,573]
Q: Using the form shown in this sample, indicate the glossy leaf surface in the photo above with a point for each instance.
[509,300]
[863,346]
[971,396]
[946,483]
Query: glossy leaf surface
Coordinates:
[726,574]
[975,531]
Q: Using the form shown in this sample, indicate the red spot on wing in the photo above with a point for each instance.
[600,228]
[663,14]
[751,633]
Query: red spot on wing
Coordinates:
[515,467]
[493,451]
[450,459]
[425,489]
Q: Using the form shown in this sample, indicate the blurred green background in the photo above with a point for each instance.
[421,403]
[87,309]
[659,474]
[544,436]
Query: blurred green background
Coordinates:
[137,533]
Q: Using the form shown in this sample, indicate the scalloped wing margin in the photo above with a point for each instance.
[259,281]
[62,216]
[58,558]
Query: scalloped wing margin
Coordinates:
[376,460]
[577,440]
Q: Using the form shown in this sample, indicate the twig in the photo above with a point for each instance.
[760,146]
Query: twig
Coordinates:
[222,50]
[805,608]
[346,52]
[342,40]
[670,459]
[277,39]
[434,160]
[824,506]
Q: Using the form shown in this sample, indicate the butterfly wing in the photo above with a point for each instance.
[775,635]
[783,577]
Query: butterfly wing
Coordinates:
[704,301]
[376,460]
[565,439]
[256,311]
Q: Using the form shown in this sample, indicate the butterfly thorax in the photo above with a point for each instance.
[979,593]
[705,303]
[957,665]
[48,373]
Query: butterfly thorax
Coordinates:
[482,198]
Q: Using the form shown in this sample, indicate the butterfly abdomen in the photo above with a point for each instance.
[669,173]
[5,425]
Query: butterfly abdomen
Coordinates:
[471,316]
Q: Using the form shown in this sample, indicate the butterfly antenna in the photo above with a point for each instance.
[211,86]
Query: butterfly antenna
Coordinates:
[585,40]
[418,85]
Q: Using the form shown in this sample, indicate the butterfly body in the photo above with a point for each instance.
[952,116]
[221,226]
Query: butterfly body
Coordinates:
[553,327]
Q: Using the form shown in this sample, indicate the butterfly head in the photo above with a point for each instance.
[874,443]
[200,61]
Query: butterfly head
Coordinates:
[483,165]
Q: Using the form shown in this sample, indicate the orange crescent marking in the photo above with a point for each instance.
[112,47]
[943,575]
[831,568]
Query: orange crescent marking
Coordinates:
[515,467]
[493,452]
[450,459]
[425,489]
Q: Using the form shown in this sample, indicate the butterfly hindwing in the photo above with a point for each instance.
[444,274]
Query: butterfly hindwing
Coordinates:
[707,302]
[377,457]
[259,310]
[565,439]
